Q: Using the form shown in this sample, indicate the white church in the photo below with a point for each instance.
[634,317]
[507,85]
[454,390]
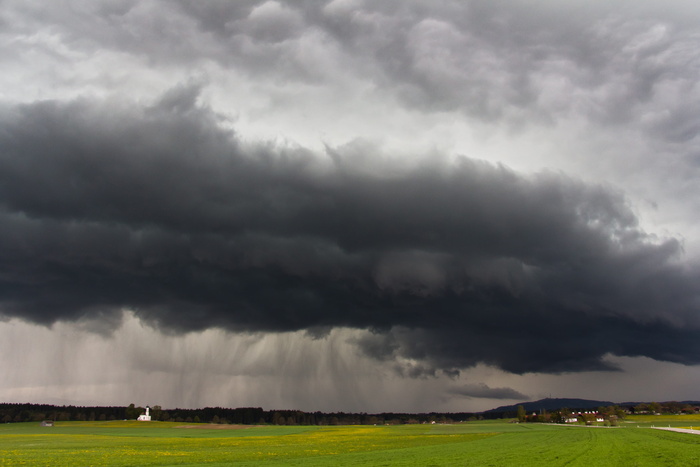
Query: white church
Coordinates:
[145,417]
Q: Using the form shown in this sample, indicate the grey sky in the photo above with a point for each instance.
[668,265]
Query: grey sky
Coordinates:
[479,201]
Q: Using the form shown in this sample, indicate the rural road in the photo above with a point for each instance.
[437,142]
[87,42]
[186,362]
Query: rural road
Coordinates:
[679,430]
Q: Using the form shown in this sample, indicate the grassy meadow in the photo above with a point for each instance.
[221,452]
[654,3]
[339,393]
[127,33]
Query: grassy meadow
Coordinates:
[486,443]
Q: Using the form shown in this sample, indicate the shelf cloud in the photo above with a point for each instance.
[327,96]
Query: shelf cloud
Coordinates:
[158,209]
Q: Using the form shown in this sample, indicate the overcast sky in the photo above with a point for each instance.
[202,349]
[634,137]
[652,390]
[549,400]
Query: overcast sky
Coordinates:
[349,205]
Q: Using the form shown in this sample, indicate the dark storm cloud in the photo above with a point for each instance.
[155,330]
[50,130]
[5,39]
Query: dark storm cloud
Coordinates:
[483,391]
[160,209]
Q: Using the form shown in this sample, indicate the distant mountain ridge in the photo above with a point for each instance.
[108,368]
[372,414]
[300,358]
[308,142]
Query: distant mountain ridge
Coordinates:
[551,404]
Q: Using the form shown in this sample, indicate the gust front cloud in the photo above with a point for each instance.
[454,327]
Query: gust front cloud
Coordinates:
[161,209]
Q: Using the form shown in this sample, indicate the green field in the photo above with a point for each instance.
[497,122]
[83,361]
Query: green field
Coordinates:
[488,443]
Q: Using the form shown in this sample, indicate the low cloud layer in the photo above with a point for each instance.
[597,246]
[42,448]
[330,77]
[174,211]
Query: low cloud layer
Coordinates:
[161,209]
[483,391]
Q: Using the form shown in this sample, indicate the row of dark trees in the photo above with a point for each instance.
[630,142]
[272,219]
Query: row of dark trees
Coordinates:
[664,407]
[37,412]
[257,416]
[238,416]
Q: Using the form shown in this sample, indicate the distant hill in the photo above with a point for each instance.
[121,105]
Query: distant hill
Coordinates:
[550,404]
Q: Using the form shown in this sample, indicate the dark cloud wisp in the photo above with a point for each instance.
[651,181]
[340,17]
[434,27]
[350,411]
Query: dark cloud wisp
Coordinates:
[162,210]
[483,391]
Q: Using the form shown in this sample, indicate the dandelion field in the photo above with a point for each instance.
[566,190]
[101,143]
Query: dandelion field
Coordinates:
[487,443]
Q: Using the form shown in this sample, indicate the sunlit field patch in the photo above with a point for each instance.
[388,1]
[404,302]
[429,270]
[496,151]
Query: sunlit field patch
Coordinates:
[494,443]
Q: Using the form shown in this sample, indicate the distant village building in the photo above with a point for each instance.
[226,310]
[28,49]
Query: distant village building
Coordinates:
[581,416]
[146,417]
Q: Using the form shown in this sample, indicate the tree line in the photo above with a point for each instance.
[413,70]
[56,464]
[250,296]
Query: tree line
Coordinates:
[670,407]
[12,413]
